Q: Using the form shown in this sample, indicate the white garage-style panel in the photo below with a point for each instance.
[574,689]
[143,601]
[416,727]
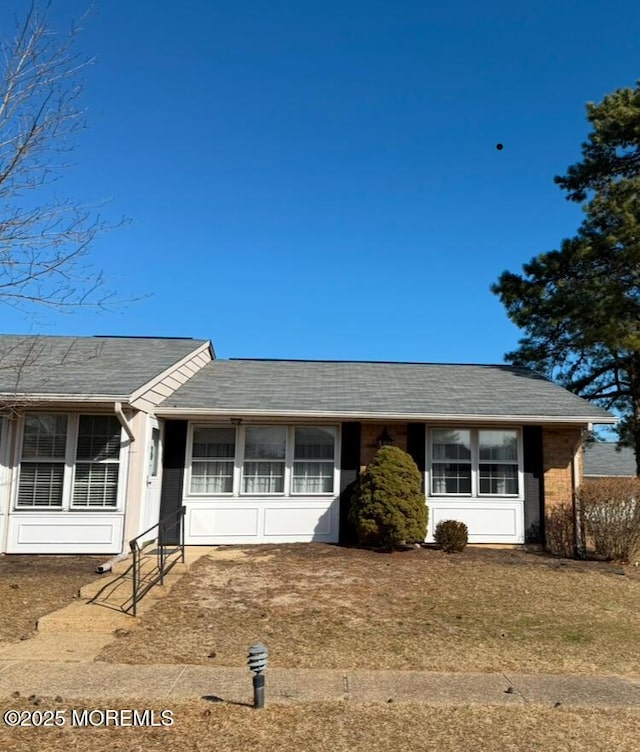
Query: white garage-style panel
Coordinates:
[487,522]
[65,533]
[261,521]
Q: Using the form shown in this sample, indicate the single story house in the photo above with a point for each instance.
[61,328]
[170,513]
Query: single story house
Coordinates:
[265,450]
[605,459]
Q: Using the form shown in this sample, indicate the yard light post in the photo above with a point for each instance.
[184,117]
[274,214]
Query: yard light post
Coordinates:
[257,660]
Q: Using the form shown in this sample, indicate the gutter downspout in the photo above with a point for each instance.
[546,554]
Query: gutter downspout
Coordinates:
[108,565]
[578,522]
[117,406]
[122,418]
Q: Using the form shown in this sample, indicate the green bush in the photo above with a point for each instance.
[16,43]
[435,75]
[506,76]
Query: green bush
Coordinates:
[611,516]
[559,530]
[388,508]
[451,536]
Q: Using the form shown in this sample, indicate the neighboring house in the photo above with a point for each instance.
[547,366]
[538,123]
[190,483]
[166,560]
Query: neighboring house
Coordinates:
[80,444]
[266,451]
[603,459]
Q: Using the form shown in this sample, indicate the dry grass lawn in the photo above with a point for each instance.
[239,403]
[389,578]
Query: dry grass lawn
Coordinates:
[202,727]
[325,606]
[32,586]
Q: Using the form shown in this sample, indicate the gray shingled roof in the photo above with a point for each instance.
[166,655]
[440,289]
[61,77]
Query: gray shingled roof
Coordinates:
[604,458]
[352,388]
[110,366]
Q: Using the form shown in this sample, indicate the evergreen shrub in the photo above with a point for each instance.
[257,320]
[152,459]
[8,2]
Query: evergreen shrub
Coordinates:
[451,536]
[388,508]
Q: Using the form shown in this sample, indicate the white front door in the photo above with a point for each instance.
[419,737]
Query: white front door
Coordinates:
[151,506]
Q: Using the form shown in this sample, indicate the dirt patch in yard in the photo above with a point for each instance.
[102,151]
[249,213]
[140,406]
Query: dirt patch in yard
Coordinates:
[322,606]
[202,727]
[32,586]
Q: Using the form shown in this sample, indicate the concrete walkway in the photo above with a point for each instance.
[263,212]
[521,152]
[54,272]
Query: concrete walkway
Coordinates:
[105,682]
[80,630]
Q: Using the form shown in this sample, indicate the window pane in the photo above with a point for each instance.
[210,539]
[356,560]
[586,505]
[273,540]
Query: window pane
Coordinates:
[214,442]
[312,477]
[264,442]
[451,478]
[499,446]
[263,477]
[98,438]
[501,480]
[314,444]
[40,484]
[96,484]
[451,445]
[154,449]
[45,436]
[212,477]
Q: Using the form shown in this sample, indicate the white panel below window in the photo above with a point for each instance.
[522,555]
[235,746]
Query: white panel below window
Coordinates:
[64,533]
[487,521]
[261,520]
[221,522]
[308,522]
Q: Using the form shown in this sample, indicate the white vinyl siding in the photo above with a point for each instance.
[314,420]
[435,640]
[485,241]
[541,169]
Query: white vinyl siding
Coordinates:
[69,461]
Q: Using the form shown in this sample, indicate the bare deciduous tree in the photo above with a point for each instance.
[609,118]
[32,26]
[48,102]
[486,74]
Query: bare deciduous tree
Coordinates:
[44,239]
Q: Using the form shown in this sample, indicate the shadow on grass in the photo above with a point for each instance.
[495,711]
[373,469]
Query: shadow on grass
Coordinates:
[215,698]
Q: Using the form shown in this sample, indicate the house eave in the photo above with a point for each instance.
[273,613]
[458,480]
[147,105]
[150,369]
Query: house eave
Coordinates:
[191,413]
[28,399]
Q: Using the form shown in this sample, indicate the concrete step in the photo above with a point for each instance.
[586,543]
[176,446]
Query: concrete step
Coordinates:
[116,585]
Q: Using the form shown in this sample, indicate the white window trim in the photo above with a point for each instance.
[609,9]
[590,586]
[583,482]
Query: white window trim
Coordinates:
[287,477]
[450,462]
[475,463]
[189,461]
[73,421]
[291,444]
[239,460]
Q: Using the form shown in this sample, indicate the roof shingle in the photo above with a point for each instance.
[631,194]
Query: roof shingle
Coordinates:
[356,388]
[605,458]
[110,366]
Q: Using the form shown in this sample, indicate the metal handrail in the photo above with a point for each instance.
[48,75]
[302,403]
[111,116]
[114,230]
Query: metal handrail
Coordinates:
[164,552]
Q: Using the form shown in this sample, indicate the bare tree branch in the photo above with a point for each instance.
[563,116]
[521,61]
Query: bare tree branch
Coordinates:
[44,240]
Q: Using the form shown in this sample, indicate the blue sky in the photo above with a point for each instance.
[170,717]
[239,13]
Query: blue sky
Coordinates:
[321,179]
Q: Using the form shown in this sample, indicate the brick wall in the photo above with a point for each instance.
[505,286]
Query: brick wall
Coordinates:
[369,439]
[559,446]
